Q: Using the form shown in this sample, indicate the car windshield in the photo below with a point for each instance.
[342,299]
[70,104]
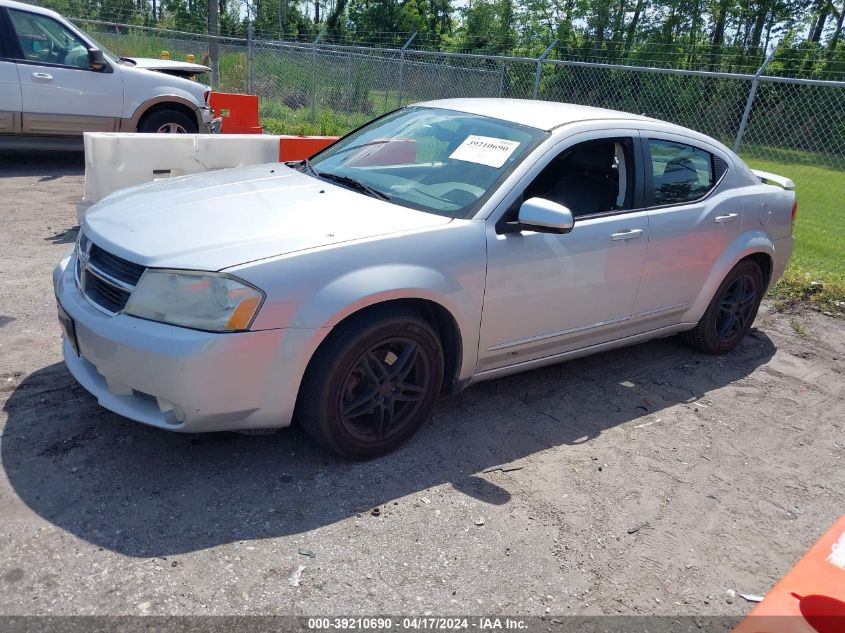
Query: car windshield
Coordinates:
[430,159]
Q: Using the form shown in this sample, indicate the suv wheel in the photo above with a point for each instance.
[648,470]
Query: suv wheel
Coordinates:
[168,122]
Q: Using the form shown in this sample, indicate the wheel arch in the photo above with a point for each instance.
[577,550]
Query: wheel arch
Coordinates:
[435,314]
[159,103]
[766,264]
[755,246]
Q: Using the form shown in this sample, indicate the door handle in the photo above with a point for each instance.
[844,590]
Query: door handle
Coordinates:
[724,219]
[42,76]
[623,236]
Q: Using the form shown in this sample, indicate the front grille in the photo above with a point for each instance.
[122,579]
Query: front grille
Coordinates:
[103,293]
[106,279]
[115,266]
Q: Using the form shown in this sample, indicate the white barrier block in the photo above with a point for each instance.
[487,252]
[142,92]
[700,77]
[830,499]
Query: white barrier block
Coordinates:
[118,160]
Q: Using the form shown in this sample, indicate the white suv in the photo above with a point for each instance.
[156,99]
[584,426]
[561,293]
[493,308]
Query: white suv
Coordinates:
[57,82]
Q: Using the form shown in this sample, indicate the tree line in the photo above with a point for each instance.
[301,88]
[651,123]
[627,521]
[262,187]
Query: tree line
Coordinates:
[806,36]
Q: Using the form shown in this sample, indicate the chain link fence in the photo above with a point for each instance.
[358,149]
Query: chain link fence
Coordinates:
[326,88]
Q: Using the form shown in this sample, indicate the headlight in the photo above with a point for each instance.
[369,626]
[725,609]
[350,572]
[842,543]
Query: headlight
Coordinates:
[203,301]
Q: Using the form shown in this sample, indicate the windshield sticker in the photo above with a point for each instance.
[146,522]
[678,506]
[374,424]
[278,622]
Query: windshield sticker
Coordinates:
[485,150]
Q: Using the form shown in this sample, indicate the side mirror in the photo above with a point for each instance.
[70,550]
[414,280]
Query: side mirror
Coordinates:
[545,216]
[96,59]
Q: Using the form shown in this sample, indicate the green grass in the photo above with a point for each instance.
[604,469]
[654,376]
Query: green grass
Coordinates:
[277,118]
[819,253]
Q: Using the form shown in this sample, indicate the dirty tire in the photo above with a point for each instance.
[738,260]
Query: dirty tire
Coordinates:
[731,311]
[168,122]
[372,384]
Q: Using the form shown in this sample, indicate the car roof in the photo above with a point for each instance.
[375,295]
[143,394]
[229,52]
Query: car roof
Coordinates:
[11,4]
[544,115]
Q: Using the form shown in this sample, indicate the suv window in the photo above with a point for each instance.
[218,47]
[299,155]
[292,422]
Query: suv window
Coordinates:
[589,178]
[5,45]
[44,40]
[680,173]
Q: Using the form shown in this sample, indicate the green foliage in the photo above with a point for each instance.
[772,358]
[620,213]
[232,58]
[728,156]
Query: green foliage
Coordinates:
[276,118]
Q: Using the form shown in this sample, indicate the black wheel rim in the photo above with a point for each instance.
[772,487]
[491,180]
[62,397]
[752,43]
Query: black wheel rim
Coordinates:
[736,308]
[384,390]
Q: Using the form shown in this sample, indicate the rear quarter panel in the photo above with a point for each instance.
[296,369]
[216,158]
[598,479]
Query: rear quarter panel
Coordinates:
[766,228]
[768,207]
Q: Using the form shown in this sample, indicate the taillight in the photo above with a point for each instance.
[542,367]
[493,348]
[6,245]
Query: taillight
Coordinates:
[794,210]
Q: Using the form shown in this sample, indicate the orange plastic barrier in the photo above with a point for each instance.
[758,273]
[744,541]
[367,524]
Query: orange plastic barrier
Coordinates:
[239,113]
[812,592]
[301,147]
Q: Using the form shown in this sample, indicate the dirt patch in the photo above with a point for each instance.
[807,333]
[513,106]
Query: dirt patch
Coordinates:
[647,480]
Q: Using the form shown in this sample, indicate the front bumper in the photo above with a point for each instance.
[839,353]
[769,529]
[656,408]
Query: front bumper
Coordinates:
[209,124]
[180,379]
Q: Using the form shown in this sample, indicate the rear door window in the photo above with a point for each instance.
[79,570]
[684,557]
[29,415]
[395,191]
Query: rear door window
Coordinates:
[680,173]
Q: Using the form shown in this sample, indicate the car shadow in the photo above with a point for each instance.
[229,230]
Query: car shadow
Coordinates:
[50,165]
[143,492]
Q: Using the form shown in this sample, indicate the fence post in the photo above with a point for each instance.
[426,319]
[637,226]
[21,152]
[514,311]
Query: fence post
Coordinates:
[349,79]
[249,55]
[314,77]
[402,69]
[539,70]
[749,103]
[501,80]
[214,46]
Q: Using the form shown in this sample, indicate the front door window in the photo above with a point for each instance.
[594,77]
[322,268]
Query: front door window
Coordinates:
[45,41]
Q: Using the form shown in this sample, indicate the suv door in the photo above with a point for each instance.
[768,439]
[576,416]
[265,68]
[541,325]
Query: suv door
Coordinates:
[547,293]
[60,94]
[691,222]
[10,86]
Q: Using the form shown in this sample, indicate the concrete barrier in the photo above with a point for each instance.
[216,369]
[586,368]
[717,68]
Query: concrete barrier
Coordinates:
[115,161]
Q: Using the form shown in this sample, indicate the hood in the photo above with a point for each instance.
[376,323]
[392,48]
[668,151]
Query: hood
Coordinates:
[169,66]
[220,219]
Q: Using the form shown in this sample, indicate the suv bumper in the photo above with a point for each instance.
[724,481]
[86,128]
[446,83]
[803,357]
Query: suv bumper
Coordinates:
[208,124]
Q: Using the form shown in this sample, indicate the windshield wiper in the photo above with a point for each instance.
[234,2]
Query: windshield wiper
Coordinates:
[307,164]
[302,165]
[349,182]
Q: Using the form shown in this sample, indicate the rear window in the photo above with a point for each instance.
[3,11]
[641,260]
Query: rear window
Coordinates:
[680,173]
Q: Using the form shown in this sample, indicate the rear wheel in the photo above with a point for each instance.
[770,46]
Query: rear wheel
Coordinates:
[731,311]
[372,384]
[168,122]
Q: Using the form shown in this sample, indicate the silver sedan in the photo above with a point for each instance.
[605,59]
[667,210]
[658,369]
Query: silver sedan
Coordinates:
[443,244]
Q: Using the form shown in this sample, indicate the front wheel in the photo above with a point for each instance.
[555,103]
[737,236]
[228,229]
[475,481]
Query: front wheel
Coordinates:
[731,311]
[372,384]
[168,122]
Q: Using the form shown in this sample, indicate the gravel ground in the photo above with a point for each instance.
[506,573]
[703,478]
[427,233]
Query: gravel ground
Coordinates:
[651,480]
